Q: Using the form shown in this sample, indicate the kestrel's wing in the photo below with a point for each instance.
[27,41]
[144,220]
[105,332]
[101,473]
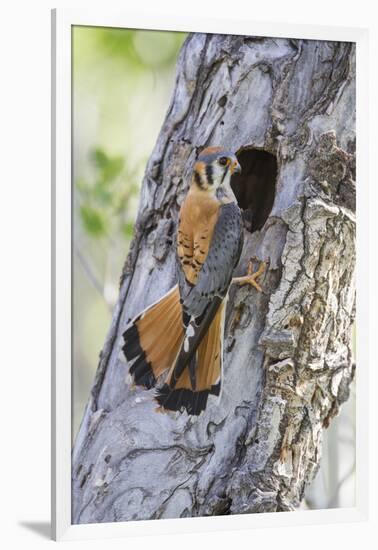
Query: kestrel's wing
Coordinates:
[215,274]
[201,301]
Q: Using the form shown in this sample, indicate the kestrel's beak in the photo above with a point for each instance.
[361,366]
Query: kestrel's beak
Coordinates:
[236,168]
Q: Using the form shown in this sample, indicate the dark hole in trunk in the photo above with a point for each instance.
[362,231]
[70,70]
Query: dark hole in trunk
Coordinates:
[255,187]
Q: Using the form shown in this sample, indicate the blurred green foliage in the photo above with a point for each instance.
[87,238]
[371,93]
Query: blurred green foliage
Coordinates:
[122,81]
[104,200]
[141,49]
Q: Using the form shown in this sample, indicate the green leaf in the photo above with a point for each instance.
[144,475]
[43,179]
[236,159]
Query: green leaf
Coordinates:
[93,221]
[127,229]
[100,158]
[113,168]
[108,167]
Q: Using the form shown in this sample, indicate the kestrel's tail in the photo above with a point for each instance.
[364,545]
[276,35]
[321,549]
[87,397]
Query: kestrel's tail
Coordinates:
[153,339]
[201,377]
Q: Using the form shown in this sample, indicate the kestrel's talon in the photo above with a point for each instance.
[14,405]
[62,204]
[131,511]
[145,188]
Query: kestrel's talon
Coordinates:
[251,276]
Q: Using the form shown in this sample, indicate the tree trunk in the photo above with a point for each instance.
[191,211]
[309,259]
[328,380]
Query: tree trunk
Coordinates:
[288,108]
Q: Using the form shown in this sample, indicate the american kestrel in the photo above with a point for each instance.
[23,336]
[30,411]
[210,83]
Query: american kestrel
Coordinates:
[181,335]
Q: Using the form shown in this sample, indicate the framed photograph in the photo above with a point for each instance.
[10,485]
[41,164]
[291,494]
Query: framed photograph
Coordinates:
[210,365]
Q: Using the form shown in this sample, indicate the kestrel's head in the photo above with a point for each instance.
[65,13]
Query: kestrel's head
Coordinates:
[214,168]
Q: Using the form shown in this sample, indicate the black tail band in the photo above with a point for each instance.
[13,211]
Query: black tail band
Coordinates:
[194,402]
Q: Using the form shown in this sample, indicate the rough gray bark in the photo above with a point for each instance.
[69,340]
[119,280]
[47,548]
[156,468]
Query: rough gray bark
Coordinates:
[288,359]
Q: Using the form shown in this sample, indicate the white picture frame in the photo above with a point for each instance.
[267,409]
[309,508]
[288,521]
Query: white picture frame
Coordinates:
[62,21]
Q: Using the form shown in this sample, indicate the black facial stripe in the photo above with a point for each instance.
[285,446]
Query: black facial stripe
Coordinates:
[198,179]
[224,174]
[209,174]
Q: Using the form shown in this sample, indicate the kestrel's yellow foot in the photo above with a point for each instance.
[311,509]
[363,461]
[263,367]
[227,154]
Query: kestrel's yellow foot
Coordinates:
[251,276]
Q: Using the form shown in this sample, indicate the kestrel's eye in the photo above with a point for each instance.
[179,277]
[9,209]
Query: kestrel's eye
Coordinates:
[223,161]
